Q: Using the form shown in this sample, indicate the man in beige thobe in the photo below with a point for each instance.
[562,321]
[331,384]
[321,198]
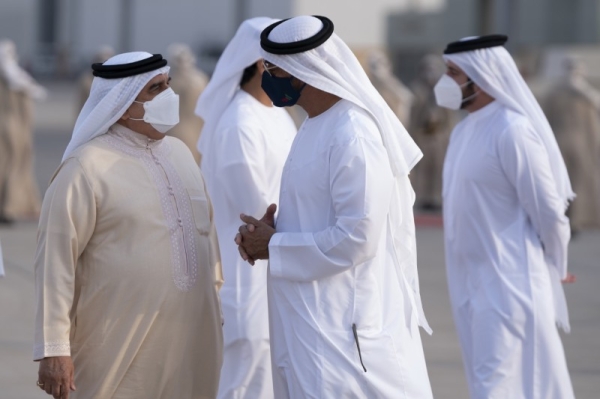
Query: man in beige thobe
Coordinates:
[573,110]
[127,267]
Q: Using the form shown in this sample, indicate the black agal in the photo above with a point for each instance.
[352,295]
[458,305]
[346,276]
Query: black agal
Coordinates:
[476,43]
[125,70]
[299,46]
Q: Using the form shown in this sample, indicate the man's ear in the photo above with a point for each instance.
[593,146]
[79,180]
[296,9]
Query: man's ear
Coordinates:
[259,67]
[125,116]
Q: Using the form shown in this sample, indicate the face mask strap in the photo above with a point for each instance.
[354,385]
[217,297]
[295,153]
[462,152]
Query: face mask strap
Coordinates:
[302,88]
[475,93]
[468,82]
[138,119]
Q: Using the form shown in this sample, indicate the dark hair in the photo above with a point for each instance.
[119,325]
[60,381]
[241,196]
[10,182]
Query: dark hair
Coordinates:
[248,74]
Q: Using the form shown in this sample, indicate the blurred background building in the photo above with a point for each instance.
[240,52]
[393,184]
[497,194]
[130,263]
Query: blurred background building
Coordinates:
[59,37]
[540,31]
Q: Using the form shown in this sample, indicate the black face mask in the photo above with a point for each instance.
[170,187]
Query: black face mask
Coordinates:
[280,90]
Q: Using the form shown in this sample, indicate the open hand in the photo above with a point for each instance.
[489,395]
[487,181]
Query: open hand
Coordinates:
[56,376]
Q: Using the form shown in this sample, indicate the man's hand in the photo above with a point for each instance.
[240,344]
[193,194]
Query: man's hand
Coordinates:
[253,237]
[269,216]
[569,279]
[56,376]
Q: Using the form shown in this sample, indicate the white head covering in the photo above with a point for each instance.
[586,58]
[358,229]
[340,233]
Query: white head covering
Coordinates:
[108,100]
[241,52]
[333,68]
[494,70]
[16,77]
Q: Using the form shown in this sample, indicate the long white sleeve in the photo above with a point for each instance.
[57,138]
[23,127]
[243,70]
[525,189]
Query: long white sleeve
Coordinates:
[526,164]
[360,177]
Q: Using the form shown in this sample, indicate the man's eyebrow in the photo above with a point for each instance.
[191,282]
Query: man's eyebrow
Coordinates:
[155,85]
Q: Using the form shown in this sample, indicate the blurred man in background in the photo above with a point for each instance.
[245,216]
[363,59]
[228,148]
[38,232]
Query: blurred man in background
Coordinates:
[188,82]
[430,127]
[573,110]
[19,195]
[505,193]
[397,96]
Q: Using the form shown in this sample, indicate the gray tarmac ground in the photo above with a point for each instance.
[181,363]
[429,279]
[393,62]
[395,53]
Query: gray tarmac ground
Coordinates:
[18,373]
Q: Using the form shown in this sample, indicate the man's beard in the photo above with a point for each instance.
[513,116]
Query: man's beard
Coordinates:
[468,93]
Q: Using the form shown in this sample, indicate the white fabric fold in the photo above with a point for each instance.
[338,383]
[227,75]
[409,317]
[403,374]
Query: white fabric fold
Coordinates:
[108,100]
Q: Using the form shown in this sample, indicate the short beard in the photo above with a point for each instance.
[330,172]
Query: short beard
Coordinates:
[467,92]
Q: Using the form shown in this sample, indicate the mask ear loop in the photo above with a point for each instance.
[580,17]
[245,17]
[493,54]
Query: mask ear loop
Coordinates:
[139,119]
[475,93]
[268,68]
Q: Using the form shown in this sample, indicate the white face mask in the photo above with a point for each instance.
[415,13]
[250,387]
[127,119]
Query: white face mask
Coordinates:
[448,93]
[162,112]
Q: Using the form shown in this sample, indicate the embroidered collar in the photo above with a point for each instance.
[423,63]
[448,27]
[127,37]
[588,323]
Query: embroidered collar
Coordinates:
[133,139]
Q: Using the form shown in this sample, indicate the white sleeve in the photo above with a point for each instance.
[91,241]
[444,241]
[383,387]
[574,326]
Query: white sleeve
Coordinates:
[242,178]
[526,164]
[361,184]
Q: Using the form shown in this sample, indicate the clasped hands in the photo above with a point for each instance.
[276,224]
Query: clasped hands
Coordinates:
[254,236]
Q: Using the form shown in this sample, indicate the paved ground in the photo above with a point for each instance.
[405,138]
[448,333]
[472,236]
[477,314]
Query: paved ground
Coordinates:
[18,373]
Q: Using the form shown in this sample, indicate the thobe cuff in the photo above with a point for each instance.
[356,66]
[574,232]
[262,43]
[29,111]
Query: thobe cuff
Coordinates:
[275,255]
[51,349]
[290,244]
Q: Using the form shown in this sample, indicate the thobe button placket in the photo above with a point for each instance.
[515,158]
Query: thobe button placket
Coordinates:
[180,222]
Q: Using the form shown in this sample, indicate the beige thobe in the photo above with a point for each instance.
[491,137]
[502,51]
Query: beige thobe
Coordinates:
[128,269]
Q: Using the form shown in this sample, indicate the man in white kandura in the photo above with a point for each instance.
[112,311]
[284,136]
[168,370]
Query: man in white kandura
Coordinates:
[344,301]
[244,144]
[505,193]
[127,266]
